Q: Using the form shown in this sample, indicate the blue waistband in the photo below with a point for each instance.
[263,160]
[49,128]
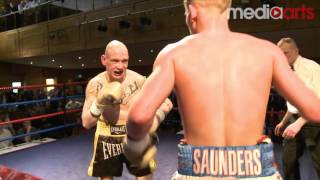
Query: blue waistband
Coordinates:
[236,161]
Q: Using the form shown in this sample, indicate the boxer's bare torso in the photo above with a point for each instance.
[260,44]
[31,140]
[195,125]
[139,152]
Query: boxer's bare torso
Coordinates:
[117,114]
[234,74]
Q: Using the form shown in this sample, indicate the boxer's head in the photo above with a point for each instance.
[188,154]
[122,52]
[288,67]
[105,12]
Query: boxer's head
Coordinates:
[289,48]
[193,9]
[115,59]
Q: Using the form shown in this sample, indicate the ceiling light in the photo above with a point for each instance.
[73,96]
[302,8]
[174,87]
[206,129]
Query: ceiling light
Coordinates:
[79,57]
[145,21]
[102,27]
[151,50]
[53,60]
[124,24]
[140,60]
[60,66]
[82,65]
[31,62]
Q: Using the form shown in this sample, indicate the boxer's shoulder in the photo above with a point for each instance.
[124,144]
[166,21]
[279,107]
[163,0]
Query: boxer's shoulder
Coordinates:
[171,52]
[134,76]
[250,40]
[255,46]
[96,83]
[99,78]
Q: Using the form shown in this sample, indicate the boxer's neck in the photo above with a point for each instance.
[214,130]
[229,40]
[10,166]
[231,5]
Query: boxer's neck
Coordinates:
[213,22]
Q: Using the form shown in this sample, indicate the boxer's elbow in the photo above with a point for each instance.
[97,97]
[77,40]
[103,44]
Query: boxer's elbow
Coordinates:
[315,115]
[85,125]
[86,122]
[139,118]
[138,125]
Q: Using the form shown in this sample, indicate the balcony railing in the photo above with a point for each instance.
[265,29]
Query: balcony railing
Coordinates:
[48,10]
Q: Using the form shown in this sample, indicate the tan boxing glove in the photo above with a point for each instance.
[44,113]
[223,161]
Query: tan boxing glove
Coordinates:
[142,153]
[108,96]
[157,120]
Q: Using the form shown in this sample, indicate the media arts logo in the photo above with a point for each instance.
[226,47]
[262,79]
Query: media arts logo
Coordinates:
[275,12]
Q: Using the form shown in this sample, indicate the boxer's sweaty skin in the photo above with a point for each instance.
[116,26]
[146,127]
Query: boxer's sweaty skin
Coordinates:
[222,81]
[115,60]
[116,114]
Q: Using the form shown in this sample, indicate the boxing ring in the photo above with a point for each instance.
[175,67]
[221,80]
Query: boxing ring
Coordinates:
[68,158]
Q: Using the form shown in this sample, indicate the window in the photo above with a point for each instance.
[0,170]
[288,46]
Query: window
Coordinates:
[50,81]
[16,84]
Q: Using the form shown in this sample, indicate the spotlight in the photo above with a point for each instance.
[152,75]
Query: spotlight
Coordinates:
[60,33]
[51,35]
[102,27]
[145,21]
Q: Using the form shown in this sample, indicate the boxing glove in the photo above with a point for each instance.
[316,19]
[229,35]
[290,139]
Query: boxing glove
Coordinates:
[157,120]
[141,153]
[108,96]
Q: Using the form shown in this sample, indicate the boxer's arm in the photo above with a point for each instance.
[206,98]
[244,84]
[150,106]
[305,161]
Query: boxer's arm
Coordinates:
[162,111]
[166,106]
[89,121]
[155,90]
[293,89]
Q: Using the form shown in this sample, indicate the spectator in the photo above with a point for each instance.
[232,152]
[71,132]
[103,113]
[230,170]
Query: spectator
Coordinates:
[27,128]
[4,133]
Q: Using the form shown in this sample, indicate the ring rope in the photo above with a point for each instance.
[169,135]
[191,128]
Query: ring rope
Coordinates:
[40,100]
[75,96]
[39,132]
[30,102]
[44,85]
[40,117]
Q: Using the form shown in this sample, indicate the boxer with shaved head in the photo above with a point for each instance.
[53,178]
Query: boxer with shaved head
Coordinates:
[222,80]
[108,98]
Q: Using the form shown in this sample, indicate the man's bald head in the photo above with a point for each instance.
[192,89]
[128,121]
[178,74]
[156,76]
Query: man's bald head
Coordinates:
[115,59]
[115,45]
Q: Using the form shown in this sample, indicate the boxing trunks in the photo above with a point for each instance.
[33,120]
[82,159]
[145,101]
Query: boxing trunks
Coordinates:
[108,157]
[241,162]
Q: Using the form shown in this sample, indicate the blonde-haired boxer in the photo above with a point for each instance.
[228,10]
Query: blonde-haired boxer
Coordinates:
[222,81]
[108,97]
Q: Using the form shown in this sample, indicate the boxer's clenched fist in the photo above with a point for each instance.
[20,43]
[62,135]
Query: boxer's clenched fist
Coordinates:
[109,95]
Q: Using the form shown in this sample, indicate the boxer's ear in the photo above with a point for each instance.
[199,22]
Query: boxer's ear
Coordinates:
[193,17]
[103,59]
[193,12]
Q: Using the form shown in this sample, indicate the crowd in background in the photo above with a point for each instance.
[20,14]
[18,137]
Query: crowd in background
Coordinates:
[173,123]
[46,104]
[12,6]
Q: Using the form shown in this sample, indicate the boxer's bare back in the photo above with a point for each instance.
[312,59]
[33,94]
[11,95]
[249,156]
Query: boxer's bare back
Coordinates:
[222,81]
[234,88]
